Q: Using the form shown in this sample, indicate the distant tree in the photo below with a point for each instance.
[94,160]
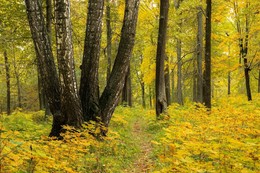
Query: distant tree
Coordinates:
[161,101]
[207,72]
[199,56]
[179,60]
[8,91]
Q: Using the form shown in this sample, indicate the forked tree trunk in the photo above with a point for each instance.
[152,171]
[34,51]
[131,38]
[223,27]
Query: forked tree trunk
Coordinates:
[111,94]
[161,101]
[46,63]
[8,86]
[207,72]
[89,84]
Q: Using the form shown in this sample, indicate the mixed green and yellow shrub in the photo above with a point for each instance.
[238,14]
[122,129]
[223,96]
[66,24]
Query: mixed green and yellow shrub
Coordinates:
[225,139]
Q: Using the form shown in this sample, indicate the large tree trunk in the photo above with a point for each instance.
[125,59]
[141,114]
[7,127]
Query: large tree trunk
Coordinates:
[199,57]
[46,63]
[8,86]
[207,72]
[161,101]
[109,38]
[70,102]
[111,94]
[89,85]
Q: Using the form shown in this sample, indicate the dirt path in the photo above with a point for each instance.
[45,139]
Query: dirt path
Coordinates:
[143,163]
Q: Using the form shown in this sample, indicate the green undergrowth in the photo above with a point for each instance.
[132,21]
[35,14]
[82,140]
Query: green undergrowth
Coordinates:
[185,139]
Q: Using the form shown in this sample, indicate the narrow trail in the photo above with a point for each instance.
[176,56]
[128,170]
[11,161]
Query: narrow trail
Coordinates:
[143,162]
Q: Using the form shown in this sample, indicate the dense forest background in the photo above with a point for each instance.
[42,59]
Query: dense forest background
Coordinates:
[228,26]
[188,102]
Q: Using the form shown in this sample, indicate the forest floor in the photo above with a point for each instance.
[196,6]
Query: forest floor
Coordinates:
[142,138]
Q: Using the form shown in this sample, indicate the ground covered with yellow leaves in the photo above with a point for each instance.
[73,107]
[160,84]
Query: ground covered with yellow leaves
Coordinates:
[186,139]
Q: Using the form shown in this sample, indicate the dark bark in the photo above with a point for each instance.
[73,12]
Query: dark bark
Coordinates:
[8,86]
[109,38]
[150,98]
[111,94]
[199,75]
[247,68]
[45,62]
[70,101]
[179,62]
[143,94]
[49,17]
[89,85]
[229,83]
[243,45]
[207,72]
[167,82]
[161,101]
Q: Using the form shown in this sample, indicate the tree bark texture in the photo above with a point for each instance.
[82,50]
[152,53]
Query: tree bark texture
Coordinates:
[70,101]
[109,38]
[199,75]
[111,94]
[89,85]
[161,101]
[49,17]
[207,72]
[8,86]
[46,63]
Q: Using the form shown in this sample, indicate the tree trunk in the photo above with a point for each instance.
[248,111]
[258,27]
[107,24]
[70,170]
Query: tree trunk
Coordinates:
[19,97]
[49,17]
[244,55]
[173,85]
[199,57]
[127,90]
[143,94]
[179,62]
[195,83]
[161,101]
[45,62]
[109,38]
[167,82]
[207,72]
[89,85]
[179,74]
[70,101]
[111,94]
[8,86]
